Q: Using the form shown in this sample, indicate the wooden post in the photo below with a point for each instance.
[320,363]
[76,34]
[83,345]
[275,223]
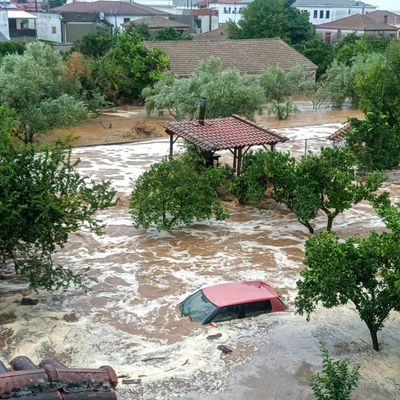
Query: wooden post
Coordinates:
[239,160]
[234,159]
[171,144]
[272,147]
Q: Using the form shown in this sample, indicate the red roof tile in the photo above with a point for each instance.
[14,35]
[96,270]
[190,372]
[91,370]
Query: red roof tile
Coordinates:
[357,22]
[223,133]
[337,136]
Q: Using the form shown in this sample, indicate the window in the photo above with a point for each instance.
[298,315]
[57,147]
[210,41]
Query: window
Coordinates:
[53,29]
[227,313]
[229,10]
[349,12]
[321,14]
[315,13]
[257,308]
[225,10]
[234,11]
[127,19]
[327,14]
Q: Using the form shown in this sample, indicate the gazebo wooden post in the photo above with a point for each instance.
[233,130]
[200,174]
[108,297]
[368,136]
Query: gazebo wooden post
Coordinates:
[239,160]
[273,147]
[234,159]
[171,144]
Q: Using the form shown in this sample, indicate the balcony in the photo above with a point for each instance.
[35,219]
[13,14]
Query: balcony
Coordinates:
[22,33]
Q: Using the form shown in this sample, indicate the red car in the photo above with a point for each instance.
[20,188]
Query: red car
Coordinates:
[231,300]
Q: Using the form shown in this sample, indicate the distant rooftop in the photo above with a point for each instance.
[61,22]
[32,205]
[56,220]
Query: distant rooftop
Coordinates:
[359,22]
[332,3]
[388,17]
[157,22]
[109,8]
[252,56]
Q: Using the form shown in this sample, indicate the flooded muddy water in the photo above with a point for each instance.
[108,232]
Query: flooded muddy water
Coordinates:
[129,318]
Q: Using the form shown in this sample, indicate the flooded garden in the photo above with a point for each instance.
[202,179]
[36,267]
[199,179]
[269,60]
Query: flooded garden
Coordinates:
[129,318]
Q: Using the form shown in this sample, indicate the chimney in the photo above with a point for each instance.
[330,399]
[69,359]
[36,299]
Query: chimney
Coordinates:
[202,113]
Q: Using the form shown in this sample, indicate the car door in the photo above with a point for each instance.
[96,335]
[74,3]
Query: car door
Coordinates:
[227,313]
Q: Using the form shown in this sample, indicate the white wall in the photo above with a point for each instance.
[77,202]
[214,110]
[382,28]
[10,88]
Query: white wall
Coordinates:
[48,27]
[205,23]
[321,15]
[4,24]
[228,12]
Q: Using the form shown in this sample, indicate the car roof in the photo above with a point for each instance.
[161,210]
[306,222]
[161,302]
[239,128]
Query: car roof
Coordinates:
[227,294]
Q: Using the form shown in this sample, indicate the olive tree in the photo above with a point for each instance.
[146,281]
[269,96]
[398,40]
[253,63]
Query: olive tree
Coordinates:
[363,271]
[227,92]
[43,199]
[173,193]
[34,85]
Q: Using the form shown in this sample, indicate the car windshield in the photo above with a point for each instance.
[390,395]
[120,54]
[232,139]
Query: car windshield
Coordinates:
[198,307]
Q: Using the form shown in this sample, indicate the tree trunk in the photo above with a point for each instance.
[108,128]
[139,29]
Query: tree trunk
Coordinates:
[374,338]
[330,223]
[308,226]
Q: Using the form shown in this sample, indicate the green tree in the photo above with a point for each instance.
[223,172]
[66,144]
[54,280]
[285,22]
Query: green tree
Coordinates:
[375,143]
[43,199]
[171,34]
[34,85]
[272,18]
[135,68]
[336,381]
[139,29]
[319,52]
[227,92]
[95,44]
[364,271]
[11,47]
[279,86]
[313,183]
[6,123]
[173,193]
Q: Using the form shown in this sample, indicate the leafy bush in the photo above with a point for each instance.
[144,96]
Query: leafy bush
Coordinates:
[336,381]
[173,193]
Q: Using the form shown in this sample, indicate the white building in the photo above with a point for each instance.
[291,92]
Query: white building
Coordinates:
[322,11]
[228,10]
[4,31]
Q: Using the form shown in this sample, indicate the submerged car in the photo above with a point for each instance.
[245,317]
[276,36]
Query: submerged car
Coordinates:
[231,300]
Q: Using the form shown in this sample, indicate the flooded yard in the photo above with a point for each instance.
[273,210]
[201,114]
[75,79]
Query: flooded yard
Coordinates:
[129,318]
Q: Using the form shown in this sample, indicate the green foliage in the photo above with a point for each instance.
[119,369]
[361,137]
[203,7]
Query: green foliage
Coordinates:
[134,68]
[317,51]
[227,92]
[56,3]
[173,193]
[95,44]
[34,85]
[272,18]
[336,381]
[42,200]
[365,272]
[139,29]
[171,34]
[375,143]
[280,85]
[7,119]
[11,47]
[326,182]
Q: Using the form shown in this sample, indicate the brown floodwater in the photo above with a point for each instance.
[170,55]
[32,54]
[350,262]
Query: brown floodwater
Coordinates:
[129,318]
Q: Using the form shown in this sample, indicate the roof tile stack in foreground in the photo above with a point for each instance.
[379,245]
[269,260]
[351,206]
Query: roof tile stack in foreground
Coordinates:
[252,56]
[224,133]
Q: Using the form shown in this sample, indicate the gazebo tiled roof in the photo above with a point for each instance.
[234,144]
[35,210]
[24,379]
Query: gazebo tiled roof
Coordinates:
[338,136]
[224,133]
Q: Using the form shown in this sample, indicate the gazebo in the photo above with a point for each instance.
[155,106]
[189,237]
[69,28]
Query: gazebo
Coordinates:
[235,133]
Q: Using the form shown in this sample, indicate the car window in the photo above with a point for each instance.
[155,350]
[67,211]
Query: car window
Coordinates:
[198,307]
[257,308]
[227,313]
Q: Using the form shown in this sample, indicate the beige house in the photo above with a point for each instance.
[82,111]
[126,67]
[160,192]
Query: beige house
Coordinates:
[361,24]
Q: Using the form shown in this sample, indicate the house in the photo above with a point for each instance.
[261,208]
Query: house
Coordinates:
[80,18]
[16,23]
[215,34]
[322,11]
[362,25]
[251,56]
[206,20]
[387,17]
[228,10]
[156,23]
